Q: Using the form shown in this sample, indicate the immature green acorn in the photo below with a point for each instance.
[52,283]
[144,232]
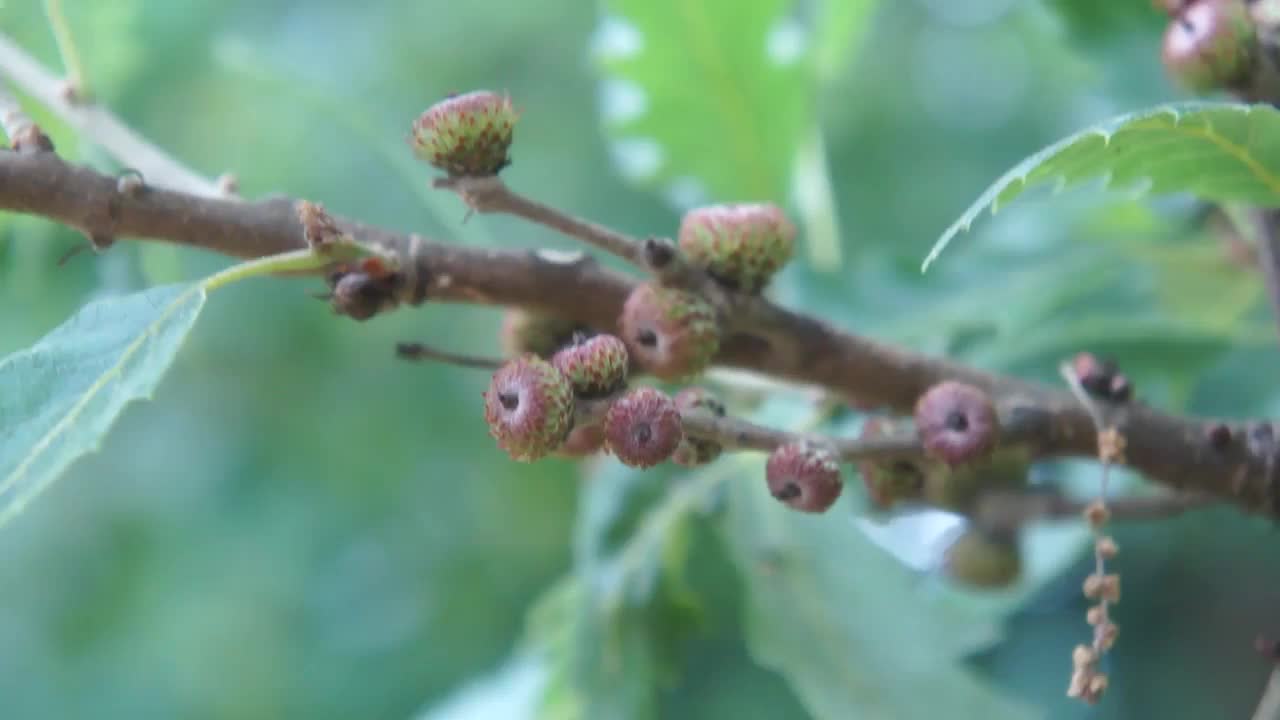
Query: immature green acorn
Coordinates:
[1211,44]
[742,245]
[595,366]
[642,428]
[692,451]
[889,482]
[466,135]
[804,476]
[984,560]
[671,333]
[529,407]
[524,331]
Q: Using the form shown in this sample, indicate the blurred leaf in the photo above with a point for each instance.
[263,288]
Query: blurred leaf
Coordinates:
[839,28]
[706,97]
[1094,22]
[613,631]
[59,397]
[851,628]
[1220,152]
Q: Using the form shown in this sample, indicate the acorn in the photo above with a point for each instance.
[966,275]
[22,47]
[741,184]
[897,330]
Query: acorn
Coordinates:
[642,428]
[1211,44]
[671,333]
[804,476]
[466,135]
[529,407]
[956,422]
[984,560]
[889,482]
[595,366]
[692,451]
[742,246]
[524,331]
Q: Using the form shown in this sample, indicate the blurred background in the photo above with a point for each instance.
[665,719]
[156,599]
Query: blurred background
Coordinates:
[298,525]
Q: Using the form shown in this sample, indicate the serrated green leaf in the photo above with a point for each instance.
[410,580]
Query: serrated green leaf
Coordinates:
[714,91]
[59,397]
[1218,151]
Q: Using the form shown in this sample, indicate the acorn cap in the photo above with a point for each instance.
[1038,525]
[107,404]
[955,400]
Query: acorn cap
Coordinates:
[671,333]
[804,476]
[957,422]
[740,245]
[1211,44]
[595,366]
[889,482]
[642,428]
[466,135]
[529,407]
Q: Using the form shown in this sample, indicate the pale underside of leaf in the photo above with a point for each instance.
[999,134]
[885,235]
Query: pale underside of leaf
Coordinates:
[1219,152]
[59,397]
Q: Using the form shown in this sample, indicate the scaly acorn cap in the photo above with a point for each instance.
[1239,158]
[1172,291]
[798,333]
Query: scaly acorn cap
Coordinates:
[1211,44]
[529,407]
[595,366]
[671,333]
[742,245]
[804,476]
[466,135]
[957,423]
[642,428]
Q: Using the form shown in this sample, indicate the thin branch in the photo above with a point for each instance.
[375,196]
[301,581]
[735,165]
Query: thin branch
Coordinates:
[1183,454]
[99,125]
[67,49]
[421,353]
[491,195]
[1004,511]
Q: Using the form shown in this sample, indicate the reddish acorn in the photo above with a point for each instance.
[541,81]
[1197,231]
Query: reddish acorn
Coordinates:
[595,366]
[642,428]
[740,245]
[583,441]
[957,423]
[889,482]
[692,451]
[1210,44]
[671,333]
[466,135]
[804,476]
[529,407]
[529,332]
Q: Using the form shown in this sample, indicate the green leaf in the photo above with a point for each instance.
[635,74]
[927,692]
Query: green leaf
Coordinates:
[1219,152]
[718,92]
[840,27]
[59,397]
[850,628]
[612,632]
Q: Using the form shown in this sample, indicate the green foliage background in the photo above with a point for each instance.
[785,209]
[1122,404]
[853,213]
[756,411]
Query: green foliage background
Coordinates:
[300,526]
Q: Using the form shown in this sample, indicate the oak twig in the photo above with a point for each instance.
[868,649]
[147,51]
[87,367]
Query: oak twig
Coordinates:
[181,207]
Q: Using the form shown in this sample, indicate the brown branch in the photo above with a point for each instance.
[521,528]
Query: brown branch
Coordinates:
[1224,461]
